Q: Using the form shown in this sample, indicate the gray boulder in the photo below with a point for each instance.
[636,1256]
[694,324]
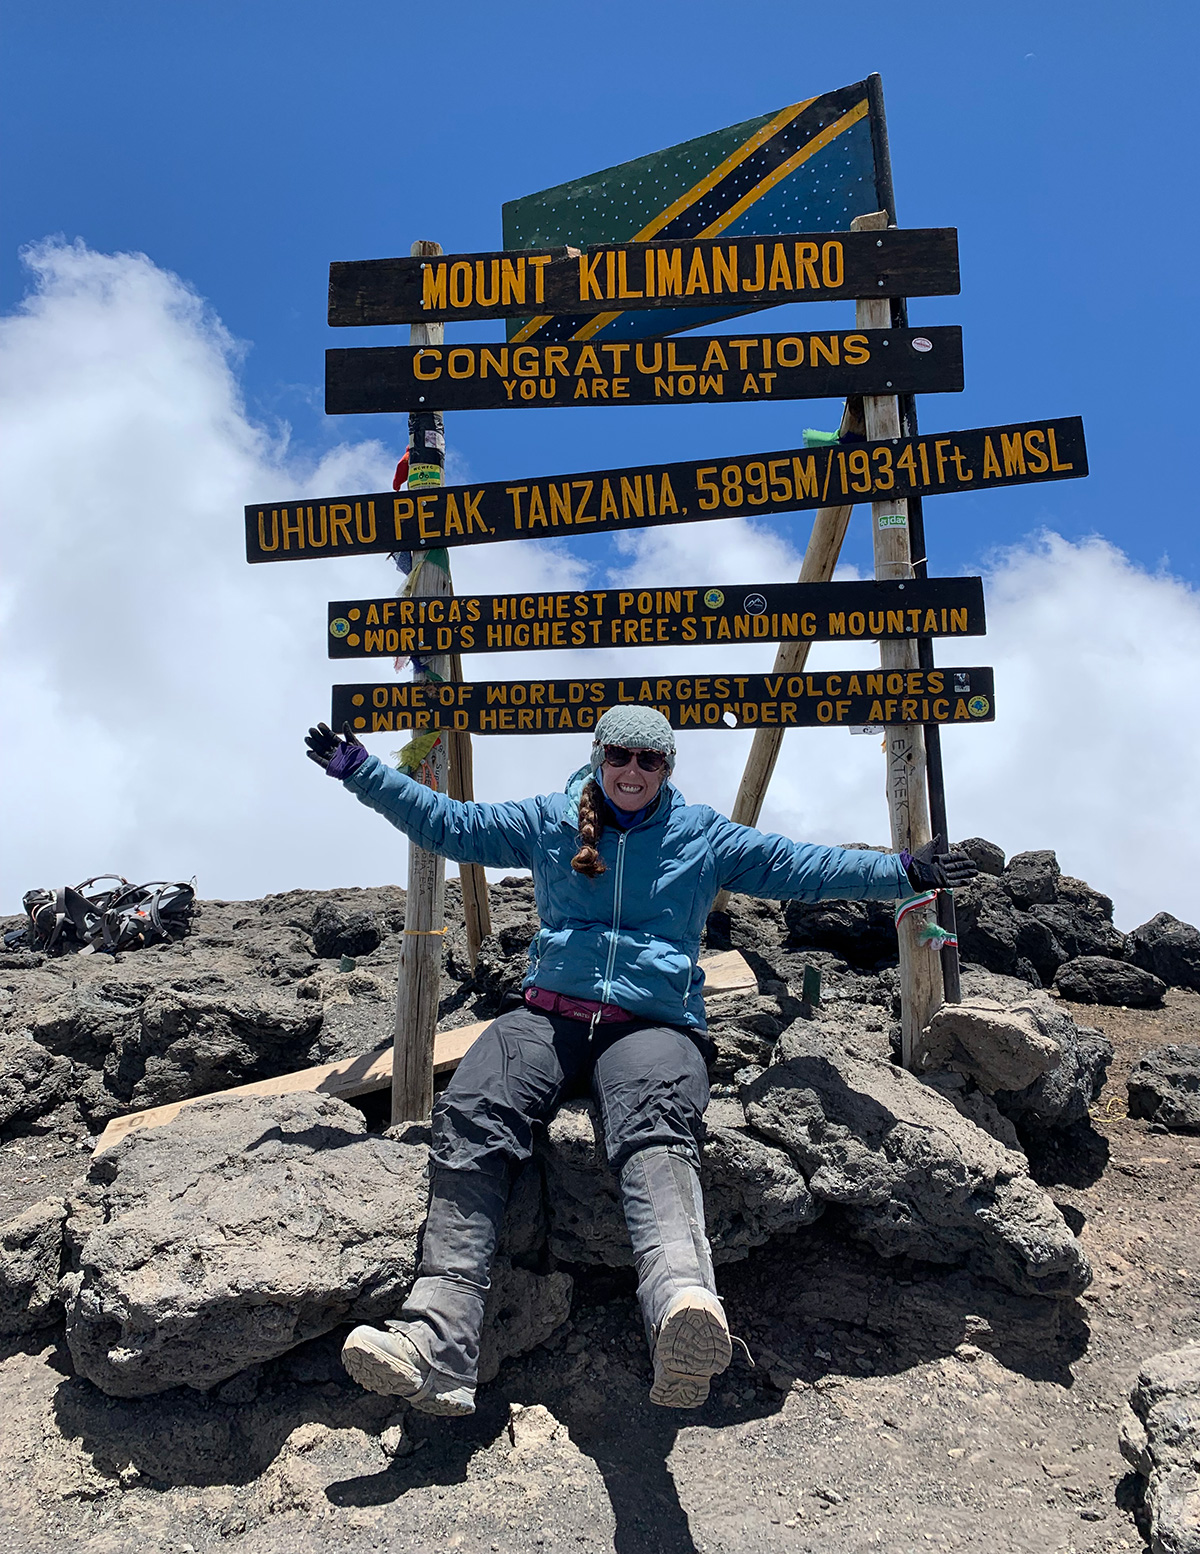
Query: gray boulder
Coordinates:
[986,856]
[523,1309]
[989,928]
[340,930]
[1062,1095]
[1160,1438]
[1164,1087]
[1032,877]
[176,1044]
[751,1190]
[237,1231]
[911,1175]
[1000,1048]
[861,932]
[33,1083]
[30,1264]
[1097,979]
[1168,948]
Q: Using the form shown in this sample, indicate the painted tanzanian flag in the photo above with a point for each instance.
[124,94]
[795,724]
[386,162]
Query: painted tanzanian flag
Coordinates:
[808,168]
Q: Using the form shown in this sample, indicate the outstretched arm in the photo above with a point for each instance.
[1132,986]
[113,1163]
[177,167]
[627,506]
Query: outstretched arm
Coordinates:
[759,864]
[499,836]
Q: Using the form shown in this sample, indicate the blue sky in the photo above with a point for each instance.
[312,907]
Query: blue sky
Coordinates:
[241,147]
[244,145]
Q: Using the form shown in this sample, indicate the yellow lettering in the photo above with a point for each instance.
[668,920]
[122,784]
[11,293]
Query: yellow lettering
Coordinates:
[433,285]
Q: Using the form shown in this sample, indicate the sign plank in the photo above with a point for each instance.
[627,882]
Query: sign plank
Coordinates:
[656,617]
[713,370]
[749,272]
[786,480]
[831,699]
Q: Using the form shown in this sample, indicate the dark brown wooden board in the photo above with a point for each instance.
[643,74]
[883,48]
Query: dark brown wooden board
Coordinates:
[787,480]
[762,271]
[657,617]
[831,699]
[699,369]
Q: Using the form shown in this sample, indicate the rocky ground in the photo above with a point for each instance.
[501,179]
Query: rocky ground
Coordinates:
[893,1402]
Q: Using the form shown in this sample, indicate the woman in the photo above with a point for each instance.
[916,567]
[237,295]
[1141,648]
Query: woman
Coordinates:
[625,873]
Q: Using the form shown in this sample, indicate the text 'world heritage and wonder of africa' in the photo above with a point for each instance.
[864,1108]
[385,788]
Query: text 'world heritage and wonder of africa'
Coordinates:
[847,698]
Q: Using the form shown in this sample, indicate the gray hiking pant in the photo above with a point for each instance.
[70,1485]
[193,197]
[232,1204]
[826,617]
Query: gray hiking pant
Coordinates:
[650,1085]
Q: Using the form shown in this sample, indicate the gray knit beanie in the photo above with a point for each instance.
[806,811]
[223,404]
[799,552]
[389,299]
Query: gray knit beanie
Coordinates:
[636,728]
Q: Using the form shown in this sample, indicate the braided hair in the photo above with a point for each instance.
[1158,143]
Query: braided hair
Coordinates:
[591,823]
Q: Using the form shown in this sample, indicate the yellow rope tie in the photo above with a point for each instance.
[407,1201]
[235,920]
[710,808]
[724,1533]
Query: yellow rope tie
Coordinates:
[420,931]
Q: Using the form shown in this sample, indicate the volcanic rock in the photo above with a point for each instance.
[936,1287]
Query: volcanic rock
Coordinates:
[1097,979]
[33,1083]
[1160,1438]
[30,1263]
[230,1235]
[1031,877]
[1164,1087]
[861,932]
[1168,948]
[986,856]
[1061,1096]
[338,931]
[1000,1048]
[752,1191]
[910,1175]
[177,1043]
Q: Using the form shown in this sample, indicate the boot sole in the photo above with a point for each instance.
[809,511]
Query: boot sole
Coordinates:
[378,1371]
[693,1346]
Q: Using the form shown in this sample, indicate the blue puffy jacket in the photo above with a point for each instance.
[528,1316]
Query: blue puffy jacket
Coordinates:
[632,936]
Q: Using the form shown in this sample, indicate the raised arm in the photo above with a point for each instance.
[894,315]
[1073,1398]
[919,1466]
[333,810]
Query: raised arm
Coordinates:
[497,835]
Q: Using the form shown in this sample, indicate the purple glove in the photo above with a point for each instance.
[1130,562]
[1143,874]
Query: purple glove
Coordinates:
[346,759]
[338,757]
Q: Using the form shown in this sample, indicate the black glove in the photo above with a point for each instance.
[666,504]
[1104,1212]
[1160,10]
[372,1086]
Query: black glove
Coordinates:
[929,869]
[325,748]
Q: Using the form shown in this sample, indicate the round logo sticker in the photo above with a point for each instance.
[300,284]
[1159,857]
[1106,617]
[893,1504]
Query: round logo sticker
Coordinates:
[714,598]
[754,604]
[978,706]
[339,627]
[922,343]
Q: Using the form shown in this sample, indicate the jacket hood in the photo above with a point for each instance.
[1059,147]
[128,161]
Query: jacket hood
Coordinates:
[669,794]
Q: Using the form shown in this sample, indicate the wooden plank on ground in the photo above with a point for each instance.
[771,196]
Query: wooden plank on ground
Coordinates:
[371,1071]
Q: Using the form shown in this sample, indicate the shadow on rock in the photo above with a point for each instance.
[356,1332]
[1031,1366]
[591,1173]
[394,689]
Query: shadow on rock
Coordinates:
[228,1436]
[1074,1156]
[817,1305]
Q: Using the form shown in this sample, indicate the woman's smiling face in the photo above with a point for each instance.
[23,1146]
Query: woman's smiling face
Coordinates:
[629,787]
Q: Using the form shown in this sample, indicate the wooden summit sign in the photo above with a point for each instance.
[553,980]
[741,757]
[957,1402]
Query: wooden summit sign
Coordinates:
[786,480]
[714,369]
[654,617]
[849,698]
[795,267]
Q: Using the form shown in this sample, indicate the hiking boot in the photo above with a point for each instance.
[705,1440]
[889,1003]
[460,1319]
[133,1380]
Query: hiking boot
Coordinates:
[685,1324]
[391,1363]
[692,1346]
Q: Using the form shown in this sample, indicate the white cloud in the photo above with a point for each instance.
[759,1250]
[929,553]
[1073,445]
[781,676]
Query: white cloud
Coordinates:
[156,687]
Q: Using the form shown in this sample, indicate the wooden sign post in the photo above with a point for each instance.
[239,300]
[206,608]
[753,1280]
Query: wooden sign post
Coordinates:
[425,903]
[921,990]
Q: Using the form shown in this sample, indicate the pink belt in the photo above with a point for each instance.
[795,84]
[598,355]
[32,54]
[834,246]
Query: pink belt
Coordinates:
[574,1008]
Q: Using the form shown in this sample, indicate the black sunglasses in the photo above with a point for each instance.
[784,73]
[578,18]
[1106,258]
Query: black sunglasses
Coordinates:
[648,760]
